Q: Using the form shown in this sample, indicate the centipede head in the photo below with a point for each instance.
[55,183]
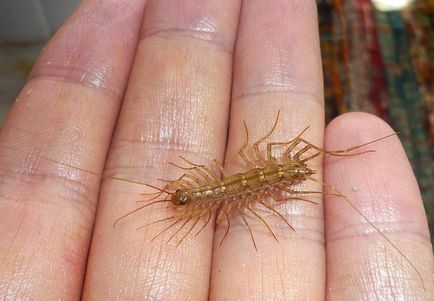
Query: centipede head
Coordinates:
[180,197]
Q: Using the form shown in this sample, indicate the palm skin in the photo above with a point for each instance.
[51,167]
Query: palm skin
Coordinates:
[144,82]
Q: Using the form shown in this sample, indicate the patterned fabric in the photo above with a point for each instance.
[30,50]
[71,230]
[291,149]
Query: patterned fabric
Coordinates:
[383,63]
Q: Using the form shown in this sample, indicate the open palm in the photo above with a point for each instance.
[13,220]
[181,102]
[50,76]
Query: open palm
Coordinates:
[126,86]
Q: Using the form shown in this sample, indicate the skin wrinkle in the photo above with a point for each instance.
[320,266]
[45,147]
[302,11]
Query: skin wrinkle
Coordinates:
[275,92]
[79,190]
[59,68]
[202,37]
[74,76]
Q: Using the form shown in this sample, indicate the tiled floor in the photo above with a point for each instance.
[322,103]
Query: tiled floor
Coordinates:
[15,64]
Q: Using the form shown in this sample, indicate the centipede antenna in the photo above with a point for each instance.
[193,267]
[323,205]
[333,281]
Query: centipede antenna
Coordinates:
[159,189]
[155,197]
[373,225]
[134,211]
[151,193]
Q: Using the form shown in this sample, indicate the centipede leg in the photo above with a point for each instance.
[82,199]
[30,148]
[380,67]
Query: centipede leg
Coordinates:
[283,143]
[256,144]
[167,228]
[189,231]
[307,192]
[205,169]
[180,228]
[182,180]
[243,156]
[204,175]
[262,220]
[336,153]
[248,227]
[204,225]
[227,229]
[220,167]
[275,211]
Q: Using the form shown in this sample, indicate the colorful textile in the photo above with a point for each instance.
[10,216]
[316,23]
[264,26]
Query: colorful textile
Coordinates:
[383,63]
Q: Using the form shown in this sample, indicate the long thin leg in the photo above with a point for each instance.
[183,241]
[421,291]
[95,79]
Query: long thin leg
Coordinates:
[227,228]
[343,151]
[204,225]
[243,156]
[270,149]
[204,167]
[191,229]
[181,178]
[262,220]
[167,228]
[220,166]
[285,199]
[248,227]
[336,153]
[301,152]
[256,144]
[275,211]
[373,226]
[180,228]
[306,192]
[195,168]
[291,147]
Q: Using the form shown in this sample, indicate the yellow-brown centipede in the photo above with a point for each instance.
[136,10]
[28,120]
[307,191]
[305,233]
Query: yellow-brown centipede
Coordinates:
[200,192]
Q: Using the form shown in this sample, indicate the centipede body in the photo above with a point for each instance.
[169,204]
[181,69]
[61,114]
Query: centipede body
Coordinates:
[200,192]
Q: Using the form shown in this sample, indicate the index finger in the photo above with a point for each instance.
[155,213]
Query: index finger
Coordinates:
[66,113]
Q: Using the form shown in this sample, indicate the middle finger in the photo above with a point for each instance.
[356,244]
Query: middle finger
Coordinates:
[277,66]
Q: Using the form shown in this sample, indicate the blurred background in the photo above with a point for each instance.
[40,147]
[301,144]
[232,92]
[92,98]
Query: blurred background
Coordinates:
[378,57]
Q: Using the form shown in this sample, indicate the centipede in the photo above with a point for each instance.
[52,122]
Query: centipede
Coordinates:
[271,176]
[203,192]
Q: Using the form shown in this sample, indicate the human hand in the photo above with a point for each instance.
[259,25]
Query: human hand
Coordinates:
[196,64]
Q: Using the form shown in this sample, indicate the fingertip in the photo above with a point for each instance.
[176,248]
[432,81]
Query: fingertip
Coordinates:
[383,188]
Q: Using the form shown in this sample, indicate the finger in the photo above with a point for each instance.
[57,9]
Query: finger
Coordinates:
[361,263]
[277,66]
[66,113]
[176,104]
[72,97]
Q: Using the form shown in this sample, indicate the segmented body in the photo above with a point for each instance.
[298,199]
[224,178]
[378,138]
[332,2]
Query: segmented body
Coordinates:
[240,189]
[200,192]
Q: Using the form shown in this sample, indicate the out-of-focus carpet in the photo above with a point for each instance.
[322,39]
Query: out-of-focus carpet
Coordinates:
[382,62]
